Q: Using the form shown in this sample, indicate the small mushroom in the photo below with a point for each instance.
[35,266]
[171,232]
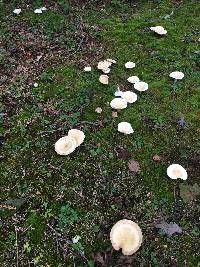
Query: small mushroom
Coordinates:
[125,127]
[104,66]
[65,145]
[103,79]
[98,110]
[141,86]
[118,103]
[87,69]
[129,96]
[111,60]
[130,65]
[119,92]
[159,30]
[133,79]
[175,171]
[177,75]
[78,135]
[127,235]
[17,11]
[38,11]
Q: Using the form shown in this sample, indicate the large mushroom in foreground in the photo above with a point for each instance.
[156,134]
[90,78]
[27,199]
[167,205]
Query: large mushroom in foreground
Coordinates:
[127,235]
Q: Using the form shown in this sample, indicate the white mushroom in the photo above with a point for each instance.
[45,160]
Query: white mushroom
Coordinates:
[98,110]
[38,11]
[104,66]
[177,75]
[141,86]
[175,171]
[43,8]
[127,235]
[87,69]
[78,135]
[118,103]
[103,79]
[17,11]
[118,92]
[159,30]
[129,96]
[133,79]
[130,65]
[125,127]
[65,145]
[111,60]
[35,84]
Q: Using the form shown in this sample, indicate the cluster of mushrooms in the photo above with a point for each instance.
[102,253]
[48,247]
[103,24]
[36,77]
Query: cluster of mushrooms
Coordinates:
[125,234]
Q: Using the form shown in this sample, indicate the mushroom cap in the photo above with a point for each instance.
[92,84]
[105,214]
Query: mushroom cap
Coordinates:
[159,30]
[98,110]
[127,235]
[129,96]
[118,103]
[133,79]
[125,127]
[130,65]
[65,145]
[178,75]
[78,135]
[104,65]
[87,69]
[38,11]
[111,60]
[175,171]
[141,86]
[17,11]
[103,79]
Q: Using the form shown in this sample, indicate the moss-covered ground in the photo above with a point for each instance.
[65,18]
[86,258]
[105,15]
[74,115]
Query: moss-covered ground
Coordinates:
[84,194]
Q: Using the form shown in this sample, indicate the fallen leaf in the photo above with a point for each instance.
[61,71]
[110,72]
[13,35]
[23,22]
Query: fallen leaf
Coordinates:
[8,207]
[169,228]
[156,158]
[188,193]
[133,166]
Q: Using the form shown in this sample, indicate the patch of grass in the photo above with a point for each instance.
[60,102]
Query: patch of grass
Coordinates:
[86,193]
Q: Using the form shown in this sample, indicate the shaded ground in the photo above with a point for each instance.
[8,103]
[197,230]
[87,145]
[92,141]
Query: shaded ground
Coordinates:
[86,193]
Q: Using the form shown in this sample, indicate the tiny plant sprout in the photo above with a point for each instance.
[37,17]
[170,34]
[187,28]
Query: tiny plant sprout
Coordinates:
[65,145]
[133,79]
[17,11]
[177,75]
[159,30]
[129,65]
[126,235]
[129,96]
[104,79]
[78,135]
[141,86]
[175,171]
[125,127]
[118,103]
[87,69]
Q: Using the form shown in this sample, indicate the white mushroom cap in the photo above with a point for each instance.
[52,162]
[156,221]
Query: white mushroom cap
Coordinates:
[87,69]
[43,8]
[98,110]
[130,65]
[111,60]
[141,86]
[65,145]
[118,103]
[159,30]
[127,235]
[38,11]
[78,135]
[175,171]
[129,96]
[133,79]
[17,11]
[103,79]
[104,65]
[125,127]
[177,75]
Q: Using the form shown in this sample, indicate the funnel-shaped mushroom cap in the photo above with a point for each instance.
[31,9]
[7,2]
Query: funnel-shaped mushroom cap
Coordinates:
[159,30]
[78,135]
[65,145]
[176,171]
[133,79]
[141,86]
[103,79]
[126,235]
[125,127]
[118,103]
[129,96]
[130,65]
[177,75]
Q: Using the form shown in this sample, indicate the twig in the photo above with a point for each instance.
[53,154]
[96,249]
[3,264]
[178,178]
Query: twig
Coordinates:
[17,250]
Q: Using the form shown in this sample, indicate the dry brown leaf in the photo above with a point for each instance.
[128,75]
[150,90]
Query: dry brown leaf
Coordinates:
[133,166]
